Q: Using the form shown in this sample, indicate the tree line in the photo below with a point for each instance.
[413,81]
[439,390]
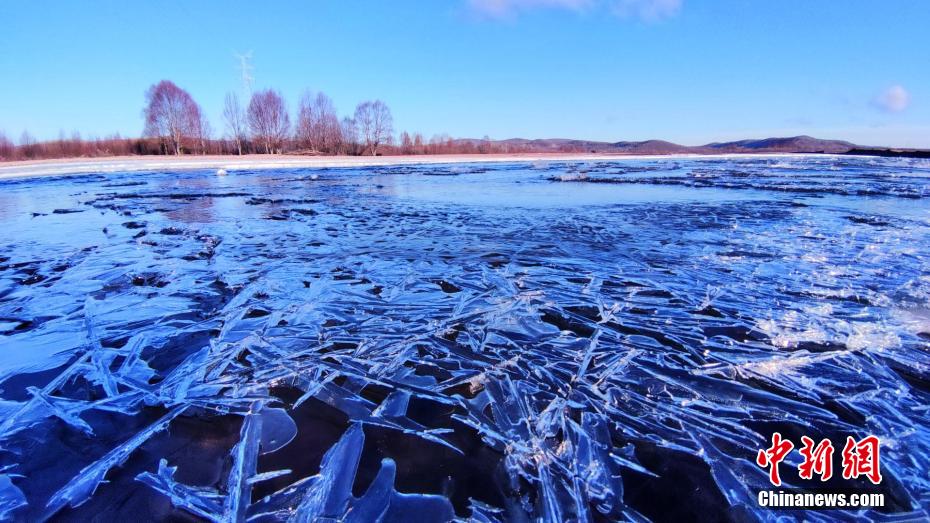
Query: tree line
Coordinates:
[175,124]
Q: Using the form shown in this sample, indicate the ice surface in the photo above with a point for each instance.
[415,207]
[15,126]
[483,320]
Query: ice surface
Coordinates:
[551,341]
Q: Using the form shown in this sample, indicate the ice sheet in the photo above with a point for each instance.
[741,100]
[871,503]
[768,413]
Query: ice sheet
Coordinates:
[550,341]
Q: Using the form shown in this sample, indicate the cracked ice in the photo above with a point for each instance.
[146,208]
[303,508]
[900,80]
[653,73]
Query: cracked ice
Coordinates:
[556,341]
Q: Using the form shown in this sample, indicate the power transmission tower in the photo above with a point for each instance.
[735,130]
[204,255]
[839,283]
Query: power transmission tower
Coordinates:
[245,68]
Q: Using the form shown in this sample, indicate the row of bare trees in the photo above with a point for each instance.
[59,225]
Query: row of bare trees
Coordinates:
[264,125]
[74,146]
[176,124]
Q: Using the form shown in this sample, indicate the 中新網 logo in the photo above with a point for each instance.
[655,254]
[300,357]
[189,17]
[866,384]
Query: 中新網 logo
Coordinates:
[860,458]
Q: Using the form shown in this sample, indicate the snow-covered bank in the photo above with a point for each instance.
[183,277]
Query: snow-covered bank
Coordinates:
[256,161]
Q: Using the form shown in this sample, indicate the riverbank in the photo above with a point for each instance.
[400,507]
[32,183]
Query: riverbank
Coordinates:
[71,166]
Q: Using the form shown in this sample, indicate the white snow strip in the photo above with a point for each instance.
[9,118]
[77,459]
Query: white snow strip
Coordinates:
[35,168]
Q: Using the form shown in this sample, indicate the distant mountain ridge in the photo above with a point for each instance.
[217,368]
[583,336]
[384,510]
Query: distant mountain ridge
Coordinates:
[792,144]
[795,144]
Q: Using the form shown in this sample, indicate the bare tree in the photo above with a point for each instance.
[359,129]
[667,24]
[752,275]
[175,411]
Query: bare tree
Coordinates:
[268,119]
[349,136]
[306,121]
[317,123]
[406,143]
[28,145]
[235,120]
[486,146]
[171,114]
[375,124]
[6,147]
[204,130]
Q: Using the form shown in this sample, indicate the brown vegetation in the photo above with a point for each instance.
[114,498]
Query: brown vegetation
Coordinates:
[175,124]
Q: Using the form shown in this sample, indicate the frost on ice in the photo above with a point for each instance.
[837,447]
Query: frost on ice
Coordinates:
[517,342]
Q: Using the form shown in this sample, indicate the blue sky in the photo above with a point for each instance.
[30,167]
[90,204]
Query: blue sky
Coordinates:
[684,70]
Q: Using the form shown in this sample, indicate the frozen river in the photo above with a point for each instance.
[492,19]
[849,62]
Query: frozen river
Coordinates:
[552,340]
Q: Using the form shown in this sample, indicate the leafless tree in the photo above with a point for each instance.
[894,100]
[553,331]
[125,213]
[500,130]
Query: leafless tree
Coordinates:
[28,146]
[268,120]
[75,144]
[171,114]
[204,130]
[26,139]
[6,147]
[349,136]
[406,143]
[375,124]
[317,123]
[486,145]
[235,120]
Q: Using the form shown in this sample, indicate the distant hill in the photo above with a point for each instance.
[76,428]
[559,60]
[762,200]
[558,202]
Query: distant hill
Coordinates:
[651,147]
[793,144]
[890,152]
